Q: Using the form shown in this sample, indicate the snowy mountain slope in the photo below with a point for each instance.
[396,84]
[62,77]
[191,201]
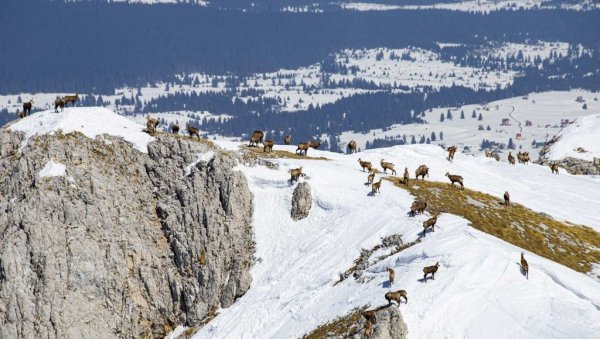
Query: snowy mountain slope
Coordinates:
[91,121]
[585,133]
[479,290]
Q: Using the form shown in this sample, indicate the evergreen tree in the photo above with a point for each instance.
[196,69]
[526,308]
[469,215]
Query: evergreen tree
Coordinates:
[584,106]
[462,114]
[489,128]
[441,135]
[480,117]
[413,140]
[449,115]
[474,115]
[442,117]
[433,136]
[511,144]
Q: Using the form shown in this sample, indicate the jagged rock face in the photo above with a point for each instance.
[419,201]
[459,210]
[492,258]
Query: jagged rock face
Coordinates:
[571,165]
[125,244]
[301,201]
[390,324]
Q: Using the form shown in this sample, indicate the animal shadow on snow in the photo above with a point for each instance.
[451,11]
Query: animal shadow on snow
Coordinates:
[521,269]
[386,284]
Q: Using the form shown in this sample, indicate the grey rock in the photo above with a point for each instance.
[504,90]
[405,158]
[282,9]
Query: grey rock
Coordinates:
[389,325]
[126,245]
[301,201]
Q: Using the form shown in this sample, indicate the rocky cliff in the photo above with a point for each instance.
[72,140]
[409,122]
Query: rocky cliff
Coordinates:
[120,243]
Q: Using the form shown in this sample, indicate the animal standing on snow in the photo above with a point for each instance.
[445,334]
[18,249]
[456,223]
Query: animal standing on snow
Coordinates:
[58,102]
[302,147]
[430,270]
[314,144]
[451,151]
[268,146]
[429,223]
[375,187]
[27,107]
[71,99]
[405,177]
[391,275]
[370,178]
[511,158]
[193,131]
[287,139]
[489,154]
[506,198]
[352,146]
[295,174]
[455,178]
[396,296]
[365,165]
[554,168]
[422,171]
[523,157]
[386,166]
[174,127]
[257,136]
[151,124]
[524,265]
[418,206]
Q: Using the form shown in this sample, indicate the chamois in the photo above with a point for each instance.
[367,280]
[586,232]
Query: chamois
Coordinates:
[405,176]
[429,223]
[497,157]
[287,139]
[192,131]
[71,99]
[174,127]
[21,115]
[396,296]
[523,157]
[430,270]
[370,316]
[506,198]
[455,178]
[375,186]
[524,265]
[257,136]
[386,166]
[451,151]
[27,107]
[58,102]
[151,124]
[302,147]
[295,174]
[352,146]
[511,158]
[489,154]
[268,145]
[314,144]
[391,275]
[422,171]
[554,168]
[365,164]
[418,206]
[371,177]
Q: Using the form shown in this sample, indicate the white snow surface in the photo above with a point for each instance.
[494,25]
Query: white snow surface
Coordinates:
[585,133]
[478,292]
[205,157]
[53,169]
[91,121]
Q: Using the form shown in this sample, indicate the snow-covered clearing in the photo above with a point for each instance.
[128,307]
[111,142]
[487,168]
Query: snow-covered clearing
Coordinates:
[583,133]
[481,6]
[91,121]
[544,110]
[479,290]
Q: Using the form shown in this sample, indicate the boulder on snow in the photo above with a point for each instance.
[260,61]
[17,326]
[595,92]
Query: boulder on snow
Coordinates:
[301,201]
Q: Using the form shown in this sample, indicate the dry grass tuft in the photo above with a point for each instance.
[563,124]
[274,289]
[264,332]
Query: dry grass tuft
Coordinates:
[345,325]
[277,154]
[574,246]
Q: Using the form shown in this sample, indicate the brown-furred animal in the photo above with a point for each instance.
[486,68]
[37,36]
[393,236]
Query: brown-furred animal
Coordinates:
[352,146]
[371,177]
[524,265]
[368,330]
[386,166]
[418,206]
[27,107]
[489,154]
[391,275]
[375,186]
[506,198]
[193,131]
[396,296]
[455,178]
[365,165]
[58,102]
[174,127]
[523,157]
[151,124]
[257,136]
[554,168]
[429,223]
[71,99]
[302,147]
[511,158]
[370,316]
[268,146]
[295,174]
[497,157]
[21,115]
[451,151]
[287,139]
[406,176]
[422,171]
[314,144]
[430,270]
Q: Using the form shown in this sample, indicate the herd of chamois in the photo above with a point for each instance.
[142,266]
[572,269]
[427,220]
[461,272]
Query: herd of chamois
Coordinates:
[58,103]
